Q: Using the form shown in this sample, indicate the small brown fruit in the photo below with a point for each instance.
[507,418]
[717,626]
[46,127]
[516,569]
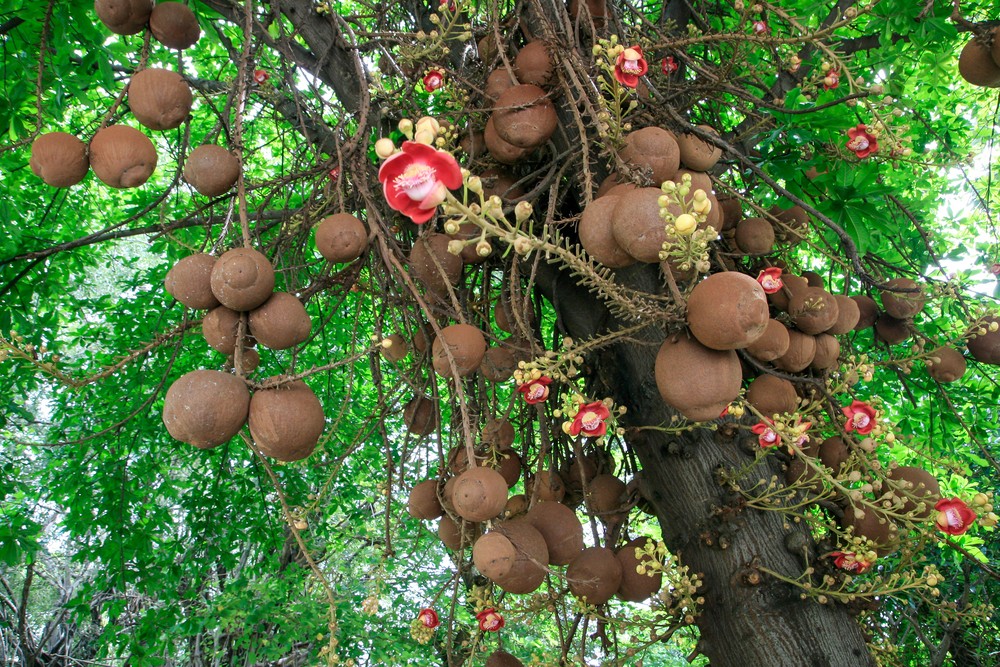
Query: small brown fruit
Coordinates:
[280,322]
[560,528]
[902,305]
[466,346]
[341,237]
[124,17]
[533,64]
[174,25]
[220,327]
[772,395]
[754,236]
[597,236]
[242,279]
[421,415]
[595,574]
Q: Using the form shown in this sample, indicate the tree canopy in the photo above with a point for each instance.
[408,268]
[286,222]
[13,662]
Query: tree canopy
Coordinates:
[498,333]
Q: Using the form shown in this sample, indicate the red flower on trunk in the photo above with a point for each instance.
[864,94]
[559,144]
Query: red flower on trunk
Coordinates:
[860,418]
[669,65]
[770,279]
[861,142]
[417,179]
[954,516]
[260,76]
[433,80]
[850,561]
[490,620]
[429,618]
[535,391]
[630,66]
[590,420]
[766,435]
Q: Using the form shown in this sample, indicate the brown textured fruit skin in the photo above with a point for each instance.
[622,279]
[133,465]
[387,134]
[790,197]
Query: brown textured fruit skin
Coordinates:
[189,281]
[496,83]
[59,159]
[423,502]
[985,348]
[286,421]
[637,226]
[754,236]
[848,315]
[480,494]
[280,322]
[891,330]
[501,658]
[173,24]
[875,526]
[524,116]
[597,237]
[814,310]
[220,327]
[528,569]
[533,64]
[122,156]
[429,253]
[915,485]
[772,395]
[421,415]
[696,153]
[595,574]
[606,495]
[467,346]
[242,279]
[341,237]
[950,366]
[695,380]
[500,149]
[772,344]
[636,587]
[206,408]
[976,65]
[867,311]
[211,170]
[902,305]
[498,364]
[560,528]
[827,353]
[124,17]
[159,98]
[800,353]
[655,148]
[727,311]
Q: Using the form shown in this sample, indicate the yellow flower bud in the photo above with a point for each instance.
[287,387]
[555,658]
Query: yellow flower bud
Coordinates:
[685,224]
[384,147]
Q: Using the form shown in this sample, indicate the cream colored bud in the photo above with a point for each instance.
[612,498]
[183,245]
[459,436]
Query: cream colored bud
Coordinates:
[452,227]
[475,184]
[455,247]
[386,343]
[406,127]
[523,211]
[384,147]
[483,248]
[522,246]
[428,123]
[703,206]
[424,136]
[685,224]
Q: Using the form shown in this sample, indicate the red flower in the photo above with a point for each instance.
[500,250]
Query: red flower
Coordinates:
[630,66]
[334,174]
[861,142]
[850,561]
[590,420]
[535,391]
[433,80]
[490,620]
[995,269]
[831,80]
[766,436]
[954,516]
[669,65]
[417,179]
[260,76]
[860,418]
[770,280]
[760,27]
[428,617]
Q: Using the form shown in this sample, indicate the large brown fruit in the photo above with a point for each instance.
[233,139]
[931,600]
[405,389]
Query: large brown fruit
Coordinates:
[946,364]
[976,65]
[912,486]
[696,153]
[423,502]
[466,346]
[189,281]
[595,575]
[772,344]
[211,170]
[867,311]
[655,148]
[792,225]
[727,311]
[497,433]
[800,353]
[597,236]
[460,535]
[498,364]
[433,265]
[502,150]
[834,454]
[173,24]
[550,486]
[497,82]
[533,64]
[873,525]
[286,421]
[560,528]
[220,327]
[494,555]
[280,322]
[501,658]
[891,330]
[985,347]
[605,496]
[848,315]
[480,494]
[159,98]
[814,310]
[637,226]
[59,159]
[206,408]
[792,285]
[771,395]
[524,116]
[122,156]
[527,572]
[732,212]
[124,17]
[637,587]
[827,353]
[902,305]
[754,236]
[421,415]
[695,380]
[242,279]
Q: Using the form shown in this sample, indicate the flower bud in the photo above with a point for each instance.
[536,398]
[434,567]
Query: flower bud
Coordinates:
[483,248]
[452,227]
[424,136]
[522,211]
[426,122]
[384,147]
[475,184]
[455,247]
[522,246]
[685,224]
[406,127]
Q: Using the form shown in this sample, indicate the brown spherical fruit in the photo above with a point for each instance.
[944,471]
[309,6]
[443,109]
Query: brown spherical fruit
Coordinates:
[480,494]
[59,159]
[867,311]
[249,362]
[211,170]
[433,265]
[501,658]
[800,353]
[912,486]
[498,364]
[848,315]
[754,236]
[497,433]
[814,310]
[732,212]
[695,152]
[637,226]
[286,421]
[189,281]
[280,322]
[985,347]
[560,528]
[891,330]
[605,496]
[220,327]
[550,486]
[524,117]
[420,415]
[655,148]
[792,224]
[122,156]
[792,285]
[772,344]
[124,17]
[827,353]
[637,587]
[834,454]
[206,408]
[946,364]
[494,555]
[174,25]
[772,395]
[595,574]
[466,346]
[423,502]
[498,81]
[976,65]
[159,98]
[341,237]
[457,535]
[395,352]
[727,311]
[501,150]
[697,381]
[873,525]
[242,279]
[902,305]
[527,572]
[597,236]
[533,65]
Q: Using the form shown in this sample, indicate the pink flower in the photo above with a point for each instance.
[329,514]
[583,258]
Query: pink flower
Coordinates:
[954,516]
[669,65]
[860,418]
[831,80]
[490,620]
[861,142]
[630,66]
[428,617]
[770,280]
[760,27]
[766,436]
[417,179]
[334,174]
[995,269]
[260,76]
[850,561]
[535,391]
[433,80]
[590,420]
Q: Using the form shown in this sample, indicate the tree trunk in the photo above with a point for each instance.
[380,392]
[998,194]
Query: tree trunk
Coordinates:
[741,624]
